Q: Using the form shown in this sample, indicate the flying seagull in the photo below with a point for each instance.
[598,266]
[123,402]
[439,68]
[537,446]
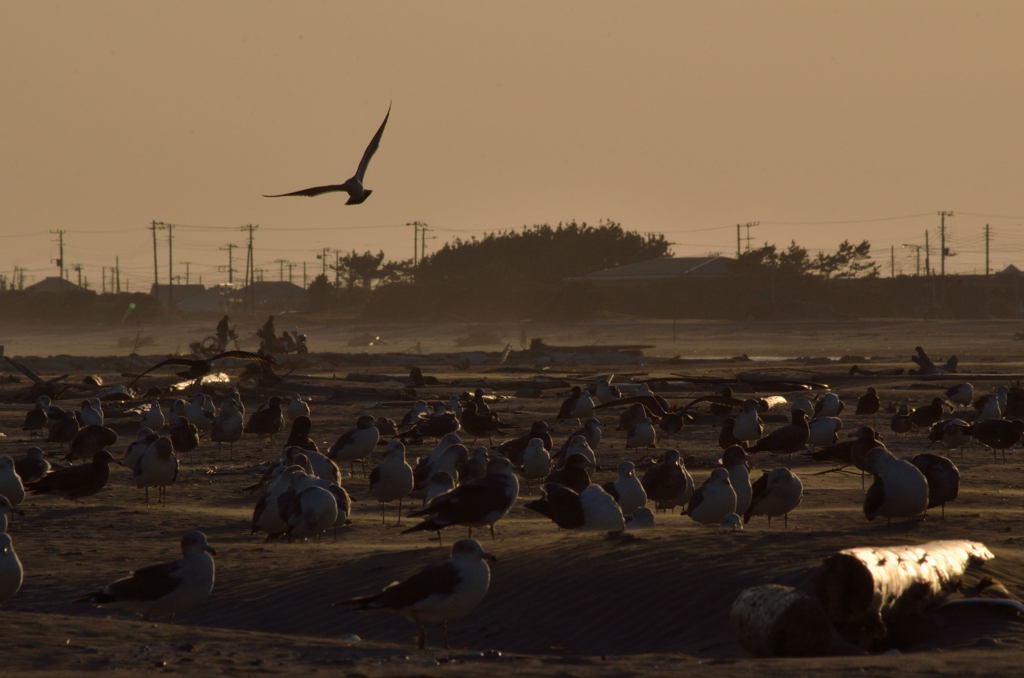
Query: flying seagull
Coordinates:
[199,368]
[353,186]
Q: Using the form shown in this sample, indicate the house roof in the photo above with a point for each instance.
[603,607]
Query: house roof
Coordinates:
[55,285]
[663,268]
[1010,270]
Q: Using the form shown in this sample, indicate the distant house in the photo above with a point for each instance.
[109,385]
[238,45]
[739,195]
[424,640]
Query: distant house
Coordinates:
[56,285]
[663,268]
[1011,270]
[213,298]
[276,294]
[179,293]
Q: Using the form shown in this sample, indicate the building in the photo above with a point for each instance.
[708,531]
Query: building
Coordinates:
[278,295]
[56,285]
[179,293]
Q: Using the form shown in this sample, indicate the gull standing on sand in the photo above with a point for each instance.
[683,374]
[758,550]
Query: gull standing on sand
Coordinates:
[11,572]
[829,405]
[32,466]
[943,479]
[642,434]
[153,418]
[36,418]
[577,406]
[11,485]
[297,407]
[900,490]
[627,489]
[747,424]
[357,193]
[438,593]
[536,460]
[734,460]
[156,467]
[166,589]
[356,444]
[78,481]
[574,474]
[713,500]
[668,483]
[868,403]
[91,412]
[478,504]
[392,479]
[788,439]
[776,493]
[227,426]
[593,509]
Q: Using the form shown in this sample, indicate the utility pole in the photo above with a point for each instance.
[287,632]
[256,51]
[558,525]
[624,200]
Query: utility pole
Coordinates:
[416,226]
[250,269]
[323,260]
[748,226]
[231,262]
[280,272]
[892,261]
[304,285]
[917,251]
[78,269]
[942,240]
[988,236]
[738,240]
[153,226]
[117,274]
[103,280]
[60,256]
[170,264]
[927,255]
[337,268]
[188,269]
[290,266]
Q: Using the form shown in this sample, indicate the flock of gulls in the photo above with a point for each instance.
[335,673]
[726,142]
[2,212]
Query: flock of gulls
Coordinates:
[464,479]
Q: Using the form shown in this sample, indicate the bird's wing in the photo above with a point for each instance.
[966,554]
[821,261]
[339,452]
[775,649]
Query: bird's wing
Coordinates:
[371,148]
[436,579]
[343,440]
[758,491]
[310,192]
[169,361]
[695,500]
[874,498]
[149,583]
[248,355]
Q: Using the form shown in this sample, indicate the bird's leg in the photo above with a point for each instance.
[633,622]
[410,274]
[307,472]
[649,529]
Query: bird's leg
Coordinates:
[785,520]
[440,542]
[469,532]
[769,522]
[147,496]
[421,633]
[943,510]
[382,508]
[444,633]
[492,531]
[399,512]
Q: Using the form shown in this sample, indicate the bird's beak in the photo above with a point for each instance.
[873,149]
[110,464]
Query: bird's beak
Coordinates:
[209,549]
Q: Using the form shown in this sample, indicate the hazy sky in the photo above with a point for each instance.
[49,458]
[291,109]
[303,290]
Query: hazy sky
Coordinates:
[684,117]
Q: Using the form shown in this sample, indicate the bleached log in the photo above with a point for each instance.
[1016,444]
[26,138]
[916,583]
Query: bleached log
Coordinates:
[779,621]
[866,590]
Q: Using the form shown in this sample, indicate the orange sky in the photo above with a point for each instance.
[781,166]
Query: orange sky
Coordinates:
[681,117]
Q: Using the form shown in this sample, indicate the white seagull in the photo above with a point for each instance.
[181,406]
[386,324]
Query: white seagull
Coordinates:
[11,571]
[713,500]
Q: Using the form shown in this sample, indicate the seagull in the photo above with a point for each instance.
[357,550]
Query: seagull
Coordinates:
[536,460]
[997,434]
[156,467]
[439,483]
[200,410]
[153,418]
[298,436]
[357,443]
[868,403]
[91,412]
[475,467]
[627,489]
[776,493]
[577,406]
[166,589]
[951,433]
[63,428]
[592,509]
[184,436]
[357,193]
[7,507]
[267,420]
[591,431]
[943,478]
[307,507]
[788,439]
[900,490]
[78,481]
[823,431]
[11,485]
[227,426]
[900,422]
[605,391]
[477,504]
[36,418]
[573,475]
[642,434]
[747,424]
[829,405]
[321,466]
[200,367]
[713,500]
[11,571]
[513,449]
[961,395]
[643,518]
[734,459]
[668,483]
[266,515]
[438,593]
[392,479]
[297,407]
[89,440]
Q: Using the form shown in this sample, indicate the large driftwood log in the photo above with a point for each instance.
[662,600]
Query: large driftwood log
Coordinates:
[780,621]
[865,590]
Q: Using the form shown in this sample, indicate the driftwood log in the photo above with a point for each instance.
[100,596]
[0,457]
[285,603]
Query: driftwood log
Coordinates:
[780,621]
[866,590]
